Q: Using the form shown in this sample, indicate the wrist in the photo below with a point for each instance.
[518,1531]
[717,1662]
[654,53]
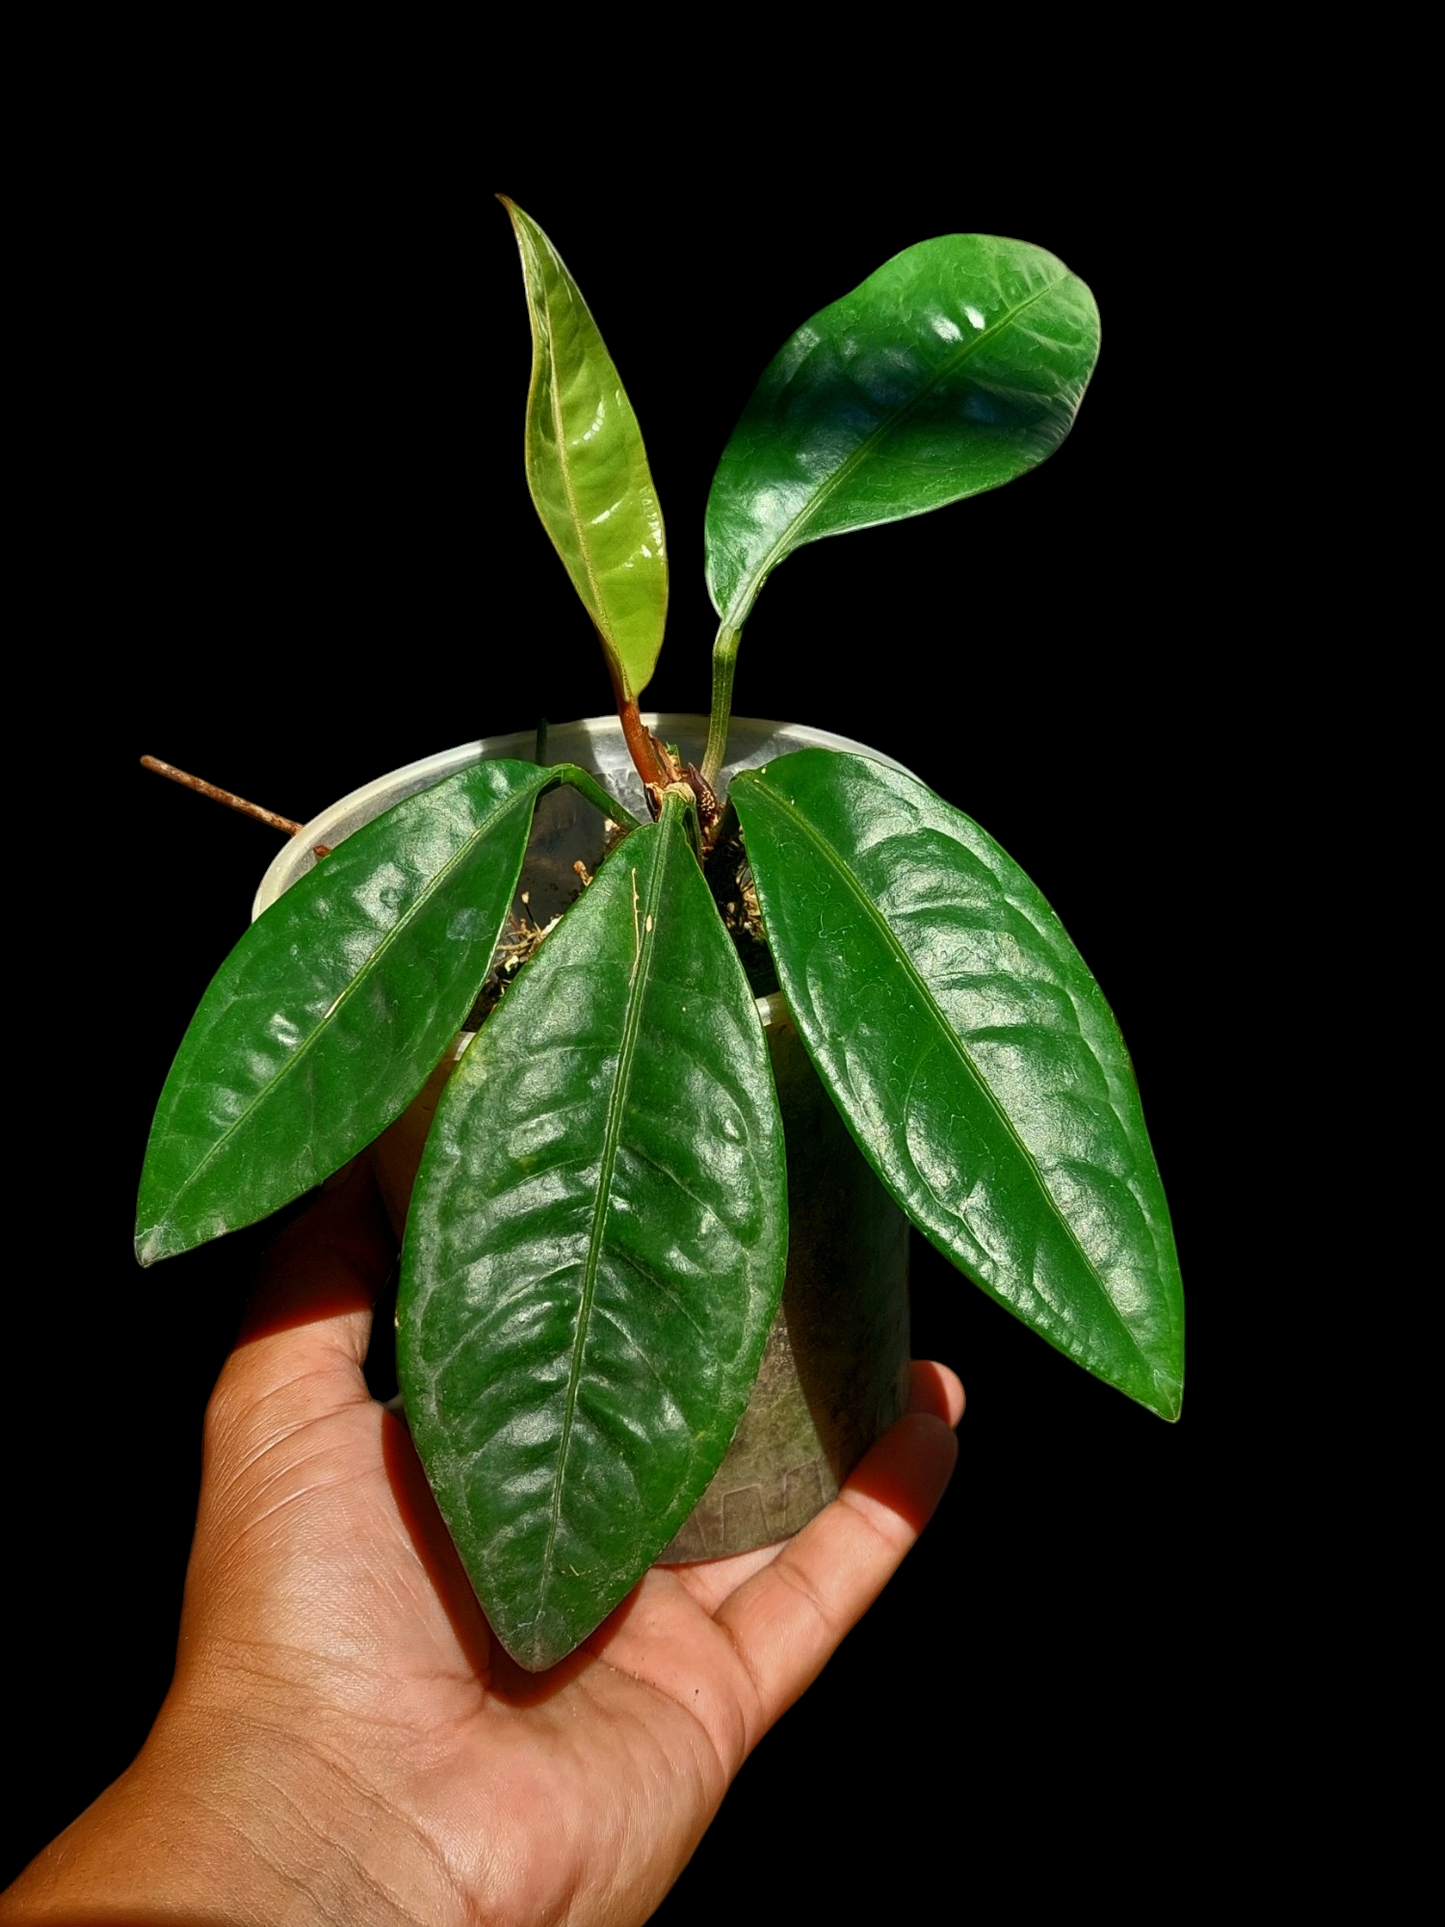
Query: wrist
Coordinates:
[219,1820]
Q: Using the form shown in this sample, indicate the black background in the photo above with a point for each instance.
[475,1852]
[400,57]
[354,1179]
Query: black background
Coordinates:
[312,559]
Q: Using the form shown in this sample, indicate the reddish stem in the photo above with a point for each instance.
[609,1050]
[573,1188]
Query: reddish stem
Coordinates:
[654,765]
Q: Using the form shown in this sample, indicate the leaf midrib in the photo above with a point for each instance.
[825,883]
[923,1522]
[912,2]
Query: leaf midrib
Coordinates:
[880,924]
[754,582]
[639,984]
[564,465]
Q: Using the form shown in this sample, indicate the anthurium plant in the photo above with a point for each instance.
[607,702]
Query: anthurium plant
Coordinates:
[598,1233]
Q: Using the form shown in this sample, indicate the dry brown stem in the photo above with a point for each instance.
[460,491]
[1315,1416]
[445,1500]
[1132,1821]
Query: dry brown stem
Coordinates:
[221,796]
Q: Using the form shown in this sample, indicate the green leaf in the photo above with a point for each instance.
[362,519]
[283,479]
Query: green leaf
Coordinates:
[322,1024]
[972,1055]
[955,367]
[595,1250]
[587,468]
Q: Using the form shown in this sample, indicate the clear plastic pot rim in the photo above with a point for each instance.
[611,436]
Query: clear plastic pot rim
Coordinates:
[594,742]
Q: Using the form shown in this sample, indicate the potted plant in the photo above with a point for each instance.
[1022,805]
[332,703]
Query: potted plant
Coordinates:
[597,1243]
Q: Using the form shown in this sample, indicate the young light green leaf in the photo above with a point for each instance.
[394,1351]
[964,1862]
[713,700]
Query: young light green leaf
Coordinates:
[587,468]
[972,1055]
[324,1021]
[595,1250]
[954,368]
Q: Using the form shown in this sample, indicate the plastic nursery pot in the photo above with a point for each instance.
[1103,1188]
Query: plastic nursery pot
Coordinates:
[834,1374]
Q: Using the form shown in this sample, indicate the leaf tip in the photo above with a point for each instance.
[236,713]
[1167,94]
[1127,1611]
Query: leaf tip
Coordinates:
[515,216]
[152,1242]
[1168,1399]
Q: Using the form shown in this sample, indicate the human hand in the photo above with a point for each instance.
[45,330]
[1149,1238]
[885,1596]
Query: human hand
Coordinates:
[344,1740]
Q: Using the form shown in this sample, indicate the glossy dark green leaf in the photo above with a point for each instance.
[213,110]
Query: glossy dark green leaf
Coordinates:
[322,1024]
[595,1250]
[587,468]
[955,367]
[972,1054]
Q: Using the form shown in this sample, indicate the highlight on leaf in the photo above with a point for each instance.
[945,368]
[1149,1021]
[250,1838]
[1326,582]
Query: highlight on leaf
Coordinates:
[587,468]
[955,367]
